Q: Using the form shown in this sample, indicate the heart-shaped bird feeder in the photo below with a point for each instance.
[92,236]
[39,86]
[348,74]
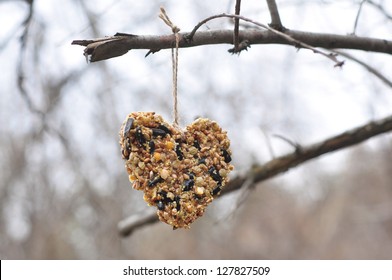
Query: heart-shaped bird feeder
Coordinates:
[179,171]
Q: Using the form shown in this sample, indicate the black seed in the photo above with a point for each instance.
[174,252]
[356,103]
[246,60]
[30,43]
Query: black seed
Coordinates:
[178,206]
[152,146]
[198,198]
[214,174]
[158,132]
[188,184]
[162,193]
[226,156]
[202,161]
[128,126]
[165,199]
[139,136]
[127,150]
[217,190]
[124,155]
[179,152]
[164,128]
[155,181]
[191,175]
[160,205]
[128,145]
[196,144]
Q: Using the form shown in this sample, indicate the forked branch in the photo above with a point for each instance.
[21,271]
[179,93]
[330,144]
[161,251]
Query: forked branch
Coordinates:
[289,38]
[276,23]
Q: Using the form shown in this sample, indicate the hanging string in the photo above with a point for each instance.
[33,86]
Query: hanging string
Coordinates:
[175,30]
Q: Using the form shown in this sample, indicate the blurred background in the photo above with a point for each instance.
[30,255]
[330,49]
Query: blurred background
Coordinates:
[63,185]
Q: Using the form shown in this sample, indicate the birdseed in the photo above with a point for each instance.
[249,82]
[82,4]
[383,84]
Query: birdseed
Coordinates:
[179,171]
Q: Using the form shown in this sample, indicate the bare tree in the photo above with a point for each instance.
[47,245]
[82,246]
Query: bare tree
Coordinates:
[274,33]
[63,189]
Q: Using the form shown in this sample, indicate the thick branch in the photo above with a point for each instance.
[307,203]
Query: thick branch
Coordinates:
[119,44]
[284,163]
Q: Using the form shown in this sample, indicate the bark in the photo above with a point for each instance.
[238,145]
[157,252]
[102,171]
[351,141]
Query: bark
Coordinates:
[120,43]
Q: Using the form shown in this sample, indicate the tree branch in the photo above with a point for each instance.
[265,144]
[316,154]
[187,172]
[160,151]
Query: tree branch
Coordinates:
[236,38]
[120,43]
[275,18]
[371,69]
[357,17]
[283,164]
[21,63]
[380,8]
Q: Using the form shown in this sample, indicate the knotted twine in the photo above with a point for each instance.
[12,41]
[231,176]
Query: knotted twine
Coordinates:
[175,30]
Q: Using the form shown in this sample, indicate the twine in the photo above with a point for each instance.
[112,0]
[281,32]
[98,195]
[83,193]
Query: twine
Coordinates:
[175,30]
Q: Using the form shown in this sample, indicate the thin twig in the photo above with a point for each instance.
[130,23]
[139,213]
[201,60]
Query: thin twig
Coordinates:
[275,17]
[380,8]
[295,42]
[236,38]
[23,50]
[244,192]
[357,17]
[371,69]
[292,143]
[284,163]
[268,142]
